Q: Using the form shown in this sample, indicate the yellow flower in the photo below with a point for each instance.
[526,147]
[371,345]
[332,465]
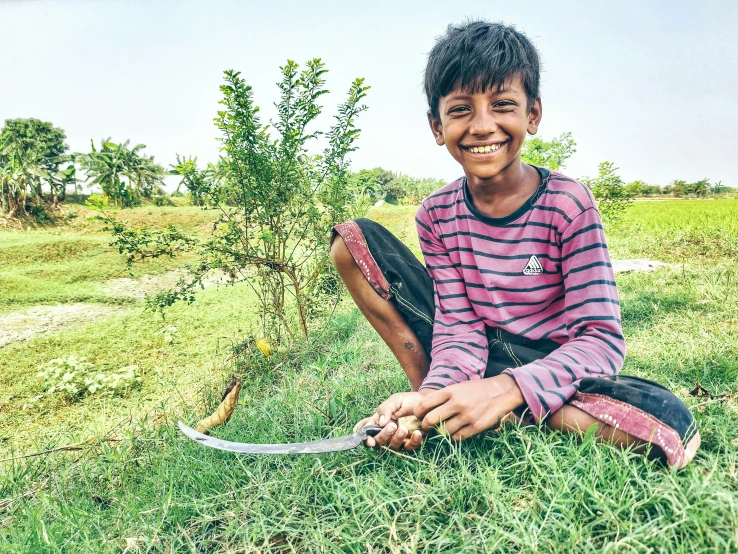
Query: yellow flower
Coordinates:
[265,345]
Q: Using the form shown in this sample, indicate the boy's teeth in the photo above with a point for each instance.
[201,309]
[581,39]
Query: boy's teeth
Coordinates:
[484,149]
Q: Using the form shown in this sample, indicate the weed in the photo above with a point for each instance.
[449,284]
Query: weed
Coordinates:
[73,378]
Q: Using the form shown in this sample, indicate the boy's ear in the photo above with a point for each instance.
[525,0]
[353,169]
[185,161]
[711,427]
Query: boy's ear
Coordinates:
[436,128]
[534,116]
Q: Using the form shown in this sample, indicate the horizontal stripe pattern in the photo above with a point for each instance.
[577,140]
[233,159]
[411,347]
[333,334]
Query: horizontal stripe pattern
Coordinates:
[566,294]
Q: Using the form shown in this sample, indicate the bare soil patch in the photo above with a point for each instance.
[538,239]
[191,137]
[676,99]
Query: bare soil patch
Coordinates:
[22,325]
[636,264]
[148,284]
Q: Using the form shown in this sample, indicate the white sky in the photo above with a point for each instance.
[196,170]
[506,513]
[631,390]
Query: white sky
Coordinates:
[650,85]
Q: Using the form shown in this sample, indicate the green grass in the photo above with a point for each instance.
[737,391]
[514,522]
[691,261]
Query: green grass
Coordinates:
[519,490]
[71,263]
[46,268]
[204,334]
[678,230]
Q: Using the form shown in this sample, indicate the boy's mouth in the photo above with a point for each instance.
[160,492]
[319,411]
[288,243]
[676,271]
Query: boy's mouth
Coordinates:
[483,148]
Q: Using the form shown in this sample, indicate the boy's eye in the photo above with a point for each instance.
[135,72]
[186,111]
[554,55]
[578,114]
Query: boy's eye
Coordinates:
[504,104]
[458,109]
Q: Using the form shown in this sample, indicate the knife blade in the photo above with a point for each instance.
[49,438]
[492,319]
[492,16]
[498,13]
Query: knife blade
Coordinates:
[336,444]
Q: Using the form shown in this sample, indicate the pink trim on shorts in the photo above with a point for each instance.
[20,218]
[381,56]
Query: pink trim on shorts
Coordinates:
[354,240]
[639,424]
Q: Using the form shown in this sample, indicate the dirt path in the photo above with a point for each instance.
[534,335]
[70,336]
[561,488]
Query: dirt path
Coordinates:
[139,288]
[24,324]
[17,326]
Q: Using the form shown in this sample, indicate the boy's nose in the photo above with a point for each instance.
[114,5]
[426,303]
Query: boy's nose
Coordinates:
[483,123]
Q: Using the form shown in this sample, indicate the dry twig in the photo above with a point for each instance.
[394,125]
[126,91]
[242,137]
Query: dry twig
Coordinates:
[75,446]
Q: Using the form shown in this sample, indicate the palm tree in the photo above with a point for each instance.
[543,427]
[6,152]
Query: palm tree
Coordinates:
[109,166]
[146,175]
[195,180]
[63,179]
[701,187]
[106,168]
[717,187]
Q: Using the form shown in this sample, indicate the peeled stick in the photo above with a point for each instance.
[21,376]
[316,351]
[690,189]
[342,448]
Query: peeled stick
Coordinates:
[224,411]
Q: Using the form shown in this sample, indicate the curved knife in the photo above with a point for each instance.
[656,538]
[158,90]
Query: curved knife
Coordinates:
[336,444]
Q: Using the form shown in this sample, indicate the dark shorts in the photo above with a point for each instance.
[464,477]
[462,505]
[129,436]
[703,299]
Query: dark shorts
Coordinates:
[641,408]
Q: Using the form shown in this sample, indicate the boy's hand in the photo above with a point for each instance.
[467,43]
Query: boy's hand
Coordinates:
[470,407]
[396,406]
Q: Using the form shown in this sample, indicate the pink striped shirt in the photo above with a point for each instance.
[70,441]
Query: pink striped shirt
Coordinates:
[543,272]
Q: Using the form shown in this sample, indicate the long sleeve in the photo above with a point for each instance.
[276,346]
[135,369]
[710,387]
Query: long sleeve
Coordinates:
[591,319]
[459,350]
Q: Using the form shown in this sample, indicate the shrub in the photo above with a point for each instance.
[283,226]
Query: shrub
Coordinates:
[39,213]
[395,188]
[161,200]
[609,190]
[278,201]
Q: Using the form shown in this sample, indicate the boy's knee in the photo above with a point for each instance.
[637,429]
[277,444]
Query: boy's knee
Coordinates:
[340,255]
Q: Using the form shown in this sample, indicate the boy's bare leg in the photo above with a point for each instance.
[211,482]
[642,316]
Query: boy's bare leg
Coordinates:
[570,419]
[382,315]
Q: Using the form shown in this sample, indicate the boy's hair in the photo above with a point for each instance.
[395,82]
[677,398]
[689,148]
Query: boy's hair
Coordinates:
[478,55]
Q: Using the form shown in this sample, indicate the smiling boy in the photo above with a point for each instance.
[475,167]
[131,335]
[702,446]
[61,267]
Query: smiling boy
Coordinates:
[516,312]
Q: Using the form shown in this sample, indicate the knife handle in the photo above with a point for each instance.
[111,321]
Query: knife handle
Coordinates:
[411,423]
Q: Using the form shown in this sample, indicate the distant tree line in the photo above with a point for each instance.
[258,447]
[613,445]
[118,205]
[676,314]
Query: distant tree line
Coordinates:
[678,188]
[608,187]
[37,170]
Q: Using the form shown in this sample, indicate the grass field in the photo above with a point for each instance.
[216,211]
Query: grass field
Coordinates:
[519,490]
[71,262]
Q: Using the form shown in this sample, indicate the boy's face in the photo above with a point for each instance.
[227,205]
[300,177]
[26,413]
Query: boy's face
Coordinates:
[485,131]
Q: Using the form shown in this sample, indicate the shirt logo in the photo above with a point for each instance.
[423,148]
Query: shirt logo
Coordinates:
[533,267]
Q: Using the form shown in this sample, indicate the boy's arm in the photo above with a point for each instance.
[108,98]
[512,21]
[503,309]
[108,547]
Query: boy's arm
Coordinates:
[459,350]
[592,320]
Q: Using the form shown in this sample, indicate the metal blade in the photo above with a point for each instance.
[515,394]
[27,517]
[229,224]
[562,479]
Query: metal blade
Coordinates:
[336,444]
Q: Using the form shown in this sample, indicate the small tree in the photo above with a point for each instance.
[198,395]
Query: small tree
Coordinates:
[552,154]
[609,190]
[372,182]
[147,176]
[405,190]
[274,230]
[636,188]
[679,187]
